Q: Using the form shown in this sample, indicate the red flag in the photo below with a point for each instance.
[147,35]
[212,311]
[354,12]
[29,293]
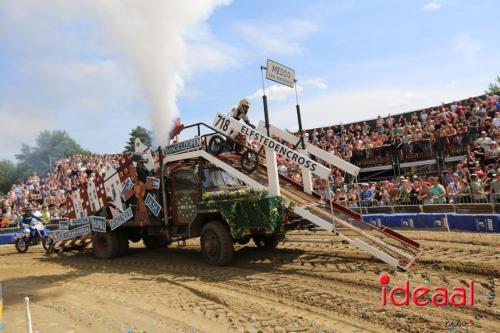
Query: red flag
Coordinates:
[177,129]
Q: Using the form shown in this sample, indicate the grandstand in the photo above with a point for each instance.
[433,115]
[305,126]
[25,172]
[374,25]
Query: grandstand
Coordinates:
[439,159]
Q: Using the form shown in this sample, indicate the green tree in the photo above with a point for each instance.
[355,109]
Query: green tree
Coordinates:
[138,132]
[7,175]
[494,87]
[50,146]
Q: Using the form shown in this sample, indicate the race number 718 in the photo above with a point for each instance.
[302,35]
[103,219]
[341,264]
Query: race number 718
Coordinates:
[222,123]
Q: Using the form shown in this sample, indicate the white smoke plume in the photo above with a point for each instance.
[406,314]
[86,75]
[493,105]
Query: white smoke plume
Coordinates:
[151,32]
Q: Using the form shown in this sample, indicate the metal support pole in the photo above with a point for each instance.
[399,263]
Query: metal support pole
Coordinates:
[298,116]
[264,100]
[163,193]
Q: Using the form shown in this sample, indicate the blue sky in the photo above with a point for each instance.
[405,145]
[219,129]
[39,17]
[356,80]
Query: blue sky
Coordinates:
[353,61]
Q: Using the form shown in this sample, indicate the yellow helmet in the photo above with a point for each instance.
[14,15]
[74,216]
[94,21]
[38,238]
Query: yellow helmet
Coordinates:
[244,102]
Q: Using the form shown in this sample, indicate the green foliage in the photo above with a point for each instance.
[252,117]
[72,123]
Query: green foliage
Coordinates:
[7,175]
[247,209]
[141,133]
[50,146]
[494,87]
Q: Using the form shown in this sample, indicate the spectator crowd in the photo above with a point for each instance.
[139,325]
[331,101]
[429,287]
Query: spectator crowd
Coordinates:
[48,194]
[473,125]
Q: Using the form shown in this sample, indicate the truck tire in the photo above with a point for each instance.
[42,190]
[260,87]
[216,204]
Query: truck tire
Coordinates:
[154,242]
[216,243]
[267,242]
[105,245]
[122,242]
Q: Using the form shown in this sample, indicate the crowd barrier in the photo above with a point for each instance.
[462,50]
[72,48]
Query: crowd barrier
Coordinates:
[6,238]
[444,221]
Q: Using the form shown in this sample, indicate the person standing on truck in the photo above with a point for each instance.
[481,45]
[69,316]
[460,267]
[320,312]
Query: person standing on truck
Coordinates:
[142,171]
[140,213]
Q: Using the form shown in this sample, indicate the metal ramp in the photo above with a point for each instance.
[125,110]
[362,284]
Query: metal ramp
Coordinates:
[383,243]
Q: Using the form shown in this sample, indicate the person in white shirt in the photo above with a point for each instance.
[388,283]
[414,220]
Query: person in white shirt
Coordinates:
[484,141]
[496,120]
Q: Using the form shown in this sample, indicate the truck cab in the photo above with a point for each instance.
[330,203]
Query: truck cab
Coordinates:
[200,200]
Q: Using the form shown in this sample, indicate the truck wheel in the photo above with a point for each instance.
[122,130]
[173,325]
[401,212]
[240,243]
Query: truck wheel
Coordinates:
[249,161]
[21,245]
[266,242]
[216,145]
[122,242]
[154,242]
[105,245]
[216,244]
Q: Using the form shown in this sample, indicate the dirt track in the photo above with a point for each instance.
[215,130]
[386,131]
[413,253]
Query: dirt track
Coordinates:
[299,287]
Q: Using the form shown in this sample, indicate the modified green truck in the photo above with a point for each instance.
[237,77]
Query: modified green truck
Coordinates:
[199,200]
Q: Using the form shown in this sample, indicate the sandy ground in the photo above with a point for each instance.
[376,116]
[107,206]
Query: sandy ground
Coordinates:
[298,287]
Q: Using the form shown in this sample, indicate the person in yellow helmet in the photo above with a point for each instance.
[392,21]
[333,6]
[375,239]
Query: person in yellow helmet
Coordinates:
[240,112]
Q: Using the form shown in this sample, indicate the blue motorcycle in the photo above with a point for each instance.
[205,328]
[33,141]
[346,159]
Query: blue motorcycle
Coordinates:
[32,233]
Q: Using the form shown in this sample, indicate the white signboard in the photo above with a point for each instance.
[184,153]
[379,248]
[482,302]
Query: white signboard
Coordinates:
[227,124]
[63,225]
[279,73]
[152,204]
[81,221]
[155,181]
[128,184]
[64,235]
[99,224]
[184,146]
[122,218]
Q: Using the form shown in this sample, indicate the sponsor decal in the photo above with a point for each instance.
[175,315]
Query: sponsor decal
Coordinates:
[120,219]
[70,234]
[155,182]
[184,146]
[152,204]
[227,124]
[128,184]
[99,224]
[63,225]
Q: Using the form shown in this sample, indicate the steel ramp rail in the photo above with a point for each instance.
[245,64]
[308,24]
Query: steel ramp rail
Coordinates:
[77,243]
[391,250]
[388,246]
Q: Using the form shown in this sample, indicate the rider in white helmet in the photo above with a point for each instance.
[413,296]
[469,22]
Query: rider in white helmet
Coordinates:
[240,112]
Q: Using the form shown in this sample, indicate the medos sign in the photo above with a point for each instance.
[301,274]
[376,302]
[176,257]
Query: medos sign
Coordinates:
[280,73]
[227,125]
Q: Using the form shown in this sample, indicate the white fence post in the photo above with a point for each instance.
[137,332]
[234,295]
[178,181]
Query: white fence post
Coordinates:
[28,314]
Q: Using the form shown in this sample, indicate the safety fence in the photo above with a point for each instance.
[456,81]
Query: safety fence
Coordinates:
[443,221]
[353,197]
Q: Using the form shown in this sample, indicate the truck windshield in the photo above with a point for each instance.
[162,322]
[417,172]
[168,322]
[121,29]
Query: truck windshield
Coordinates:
[217,178]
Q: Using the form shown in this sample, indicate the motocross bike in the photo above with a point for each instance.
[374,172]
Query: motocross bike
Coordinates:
[31,235]
[249,159]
